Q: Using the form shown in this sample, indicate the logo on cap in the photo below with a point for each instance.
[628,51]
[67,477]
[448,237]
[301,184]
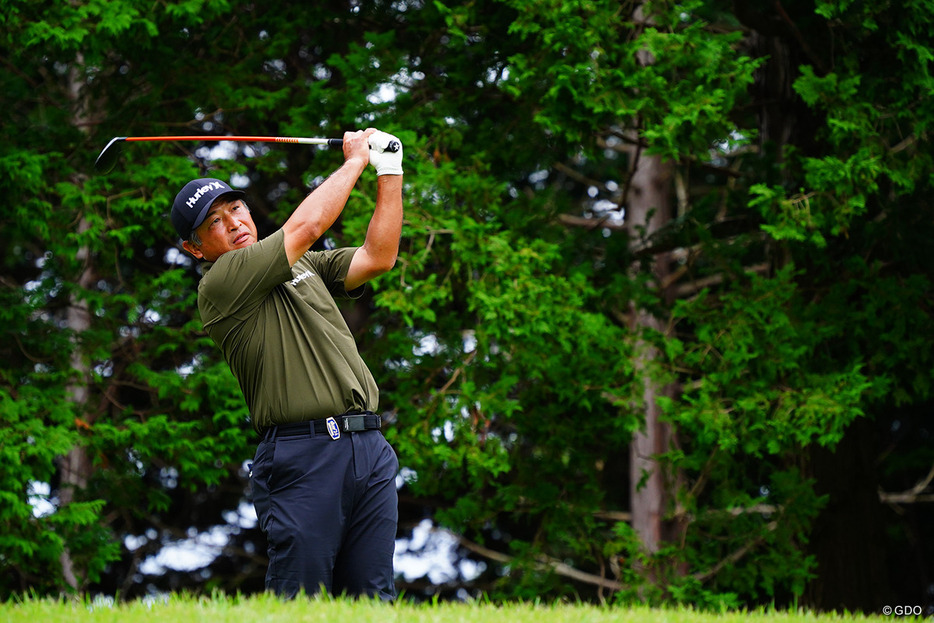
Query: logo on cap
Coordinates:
[193,200]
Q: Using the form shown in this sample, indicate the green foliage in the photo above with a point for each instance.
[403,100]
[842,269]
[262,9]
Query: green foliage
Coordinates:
[29,542]
[597,69]
[758,388]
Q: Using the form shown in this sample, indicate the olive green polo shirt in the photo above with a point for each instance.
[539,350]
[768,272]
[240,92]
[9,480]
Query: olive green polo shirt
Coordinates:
[282,334]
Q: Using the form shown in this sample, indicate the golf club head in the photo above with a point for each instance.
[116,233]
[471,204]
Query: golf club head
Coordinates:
[108,157]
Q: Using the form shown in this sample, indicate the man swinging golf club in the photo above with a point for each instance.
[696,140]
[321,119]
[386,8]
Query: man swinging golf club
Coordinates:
[323,477]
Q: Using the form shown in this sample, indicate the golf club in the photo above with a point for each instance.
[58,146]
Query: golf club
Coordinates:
[108,156]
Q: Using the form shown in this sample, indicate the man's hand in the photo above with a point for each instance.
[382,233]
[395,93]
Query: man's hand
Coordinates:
[357,145]
[386,162]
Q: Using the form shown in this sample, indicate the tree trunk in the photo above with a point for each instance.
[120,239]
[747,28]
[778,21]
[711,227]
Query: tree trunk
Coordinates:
[75,467]
[648,205]
[647,487]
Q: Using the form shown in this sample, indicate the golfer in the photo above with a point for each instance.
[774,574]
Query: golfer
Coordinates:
[323,477]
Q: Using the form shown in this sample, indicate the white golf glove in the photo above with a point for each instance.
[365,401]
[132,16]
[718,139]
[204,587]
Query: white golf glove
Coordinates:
[386,153]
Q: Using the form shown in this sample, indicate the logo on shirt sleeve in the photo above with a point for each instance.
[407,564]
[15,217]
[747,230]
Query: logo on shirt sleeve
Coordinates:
[302,277]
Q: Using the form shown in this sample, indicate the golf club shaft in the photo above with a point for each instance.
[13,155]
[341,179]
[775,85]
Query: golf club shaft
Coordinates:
[108,155]
[331,142]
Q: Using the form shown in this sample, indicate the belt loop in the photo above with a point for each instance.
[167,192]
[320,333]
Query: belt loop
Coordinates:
[311,427]
[271,433]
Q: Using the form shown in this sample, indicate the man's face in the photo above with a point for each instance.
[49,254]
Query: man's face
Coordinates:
[227,226]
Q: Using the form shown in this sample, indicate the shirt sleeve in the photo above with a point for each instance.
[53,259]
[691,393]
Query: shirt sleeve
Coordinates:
[332,266]
[238,282]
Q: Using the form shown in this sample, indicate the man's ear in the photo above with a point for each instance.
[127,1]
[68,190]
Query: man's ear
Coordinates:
[194,250]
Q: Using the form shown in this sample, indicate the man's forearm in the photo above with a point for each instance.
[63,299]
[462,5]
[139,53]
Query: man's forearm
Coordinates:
[385,228]
[318,211]
[381,246]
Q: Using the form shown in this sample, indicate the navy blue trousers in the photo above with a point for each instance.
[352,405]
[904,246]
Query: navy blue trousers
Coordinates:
[329,509]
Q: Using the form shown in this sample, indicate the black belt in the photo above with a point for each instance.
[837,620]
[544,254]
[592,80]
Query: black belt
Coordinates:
[347,423]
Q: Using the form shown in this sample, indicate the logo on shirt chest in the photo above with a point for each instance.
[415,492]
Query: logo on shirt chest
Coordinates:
[305,275]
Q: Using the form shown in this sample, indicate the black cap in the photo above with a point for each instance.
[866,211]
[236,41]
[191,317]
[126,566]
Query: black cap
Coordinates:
[193,201]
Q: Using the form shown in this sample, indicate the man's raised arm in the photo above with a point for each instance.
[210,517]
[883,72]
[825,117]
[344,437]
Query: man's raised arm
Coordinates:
[318,211]
[381,246]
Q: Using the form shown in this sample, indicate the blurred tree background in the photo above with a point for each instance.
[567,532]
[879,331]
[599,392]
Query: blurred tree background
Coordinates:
[660,329]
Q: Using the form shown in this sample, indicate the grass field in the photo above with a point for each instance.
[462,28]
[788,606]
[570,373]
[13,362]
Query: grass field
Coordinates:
[268,609]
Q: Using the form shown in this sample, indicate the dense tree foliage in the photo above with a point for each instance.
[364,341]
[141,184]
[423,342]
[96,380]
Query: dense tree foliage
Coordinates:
[700,225]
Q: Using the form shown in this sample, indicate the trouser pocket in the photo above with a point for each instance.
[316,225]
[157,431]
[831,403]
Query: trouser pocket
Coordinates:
[259,482]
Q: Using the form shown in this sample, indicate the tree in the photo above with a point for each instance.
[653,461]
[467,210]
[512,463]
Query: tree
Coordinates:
[755,345]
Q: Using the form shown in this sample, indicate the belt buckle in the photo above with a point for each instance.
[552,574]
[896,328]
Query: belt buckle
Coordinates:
[354,423]
[333,429]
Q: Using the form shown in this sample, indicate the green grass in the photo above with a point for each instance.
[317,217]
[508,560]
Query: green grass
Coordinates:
[268,609]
